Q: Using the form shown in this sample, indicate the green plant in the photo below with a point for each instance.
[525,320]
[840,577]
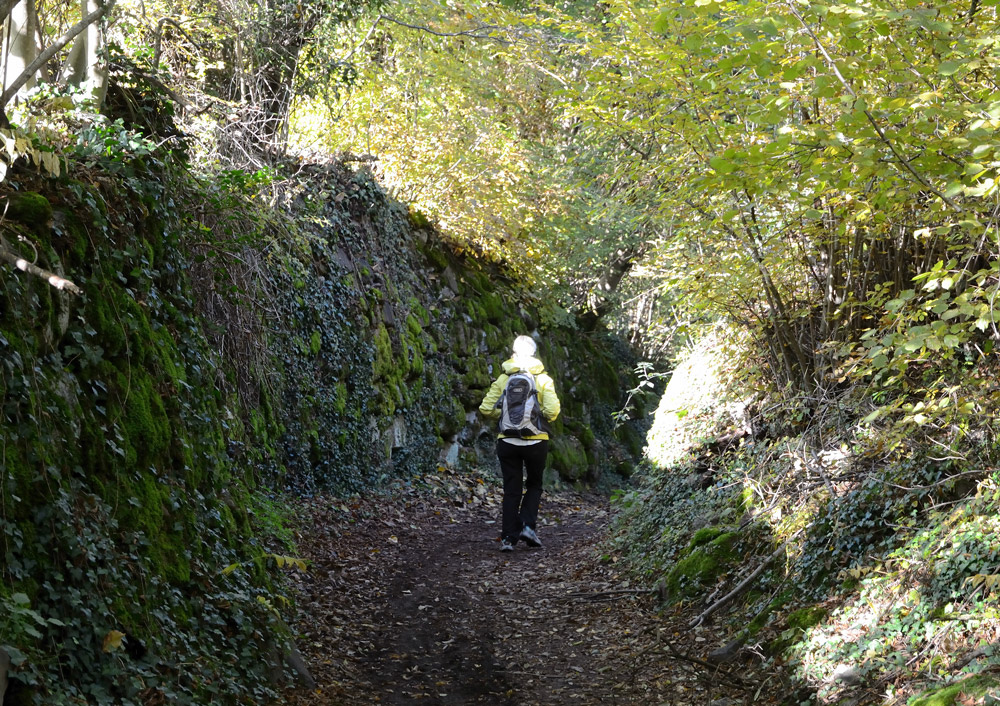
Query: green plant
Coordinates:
[20,625]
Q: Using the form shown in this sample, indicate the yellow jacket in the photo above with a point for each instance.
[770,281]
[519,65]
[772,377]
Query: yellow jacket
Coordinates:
[547,399]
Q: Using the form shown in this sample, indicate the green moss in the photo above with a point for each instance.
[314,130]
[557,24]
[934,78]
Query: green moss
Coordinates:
[384,365]
[105,321]
[478,376]
[143,507]
[145,420]
[423,316]
[436,257]
[706,535]
[494,309]
[315,343]
[413,326]
[805,618]
[495,340]
[604,375]
[418,219]
[164,353]
[451,418]
[633,440]
[415,345]
[477,281]
[416,361]
[568,457]
[759,621]
[340,397]
[79,243]
[701,566]
[31,209]
[975,686]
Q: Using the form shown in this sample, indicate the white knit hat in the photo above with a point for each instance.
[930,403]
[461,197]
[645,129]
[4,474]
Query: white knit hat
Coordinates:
[524,346]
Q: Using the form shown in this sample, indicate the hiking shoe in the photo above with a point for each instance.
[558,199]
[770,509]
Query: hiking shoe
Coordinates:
[506,546]
[530,538]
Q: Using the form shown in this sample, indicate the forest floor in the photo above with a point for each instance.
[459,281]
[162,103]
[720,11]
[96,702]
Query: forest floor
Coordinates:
[409,600]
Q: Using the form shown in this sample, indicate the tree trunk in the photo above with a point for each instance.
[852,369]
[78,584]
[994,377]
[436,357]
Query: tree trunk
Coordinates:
[19,44]
[601,302]
[84,66]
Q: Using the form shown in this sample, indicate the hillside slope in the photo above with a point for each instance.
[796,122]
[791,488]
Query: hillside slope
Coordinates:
[238,336]
[850,557]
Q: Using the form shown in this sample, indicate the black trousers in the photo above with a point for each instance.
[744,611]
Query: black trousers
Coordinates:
[520,499]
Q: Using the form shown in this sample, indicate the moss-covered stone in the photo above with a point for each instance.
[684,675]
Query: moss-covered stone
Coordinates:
[478,376]
[30,208]
[975,687]
[701,566]
[706,535]
[805,618]
[568,457]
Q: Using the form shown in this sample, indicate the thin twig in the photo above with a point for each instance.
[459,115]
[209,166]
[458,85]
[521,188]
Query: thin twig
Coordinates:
[476,33]
[743,585]
[714,668]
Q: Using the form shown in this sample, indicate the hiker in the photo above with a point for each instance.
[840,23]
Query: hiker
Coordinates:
[523,400]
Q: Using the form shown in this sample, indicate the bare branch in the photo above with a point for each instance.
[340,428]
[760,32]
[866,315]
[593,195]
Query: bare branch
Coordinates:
[480,32]
[159,38]
[25,266]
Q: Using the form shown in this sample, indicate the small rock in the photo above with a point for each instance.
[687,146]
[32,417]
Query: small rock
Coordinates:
[848,675]
[725,654]
[295,660]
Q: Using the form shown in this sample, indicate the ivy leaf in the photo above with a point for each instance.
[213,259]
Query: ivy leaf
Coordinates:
[17,658]
[113,641]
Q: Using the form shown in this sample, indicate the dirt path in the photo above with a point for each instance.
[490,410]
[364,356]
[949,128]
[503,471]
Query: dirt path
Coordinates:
[410,601]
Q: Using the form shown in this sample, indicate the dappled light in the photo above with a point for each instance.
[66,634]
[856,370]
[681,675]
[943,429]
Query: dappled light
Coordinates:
[264,262]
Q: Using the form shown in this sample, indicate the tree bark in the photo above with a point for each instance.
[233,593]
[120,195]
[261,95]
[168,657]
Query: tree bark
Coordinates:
[50,51]
[19,46]
[52,278]
[83,66]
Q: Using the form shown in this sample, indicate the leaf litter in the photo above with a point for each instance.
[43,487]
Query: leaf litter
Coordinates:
[409,600]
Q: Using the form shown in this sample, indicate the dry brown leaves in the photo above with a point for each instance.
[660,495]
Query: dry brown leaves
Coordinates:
[409,600]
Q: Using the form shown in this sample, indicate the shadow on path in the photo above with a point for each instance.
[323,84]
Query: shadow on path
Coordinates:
[410,601]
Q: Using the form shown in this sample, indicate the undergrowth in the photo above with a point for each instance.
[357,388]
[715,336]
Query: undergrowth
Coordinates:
[881,532]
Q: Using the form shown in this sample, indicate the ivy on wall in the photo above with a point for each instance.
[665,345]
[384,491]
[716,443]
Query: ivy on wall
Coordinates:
[225,351]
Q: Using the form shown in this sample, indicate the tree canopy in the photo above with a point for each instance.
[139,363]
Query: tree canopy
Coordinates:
[821,174]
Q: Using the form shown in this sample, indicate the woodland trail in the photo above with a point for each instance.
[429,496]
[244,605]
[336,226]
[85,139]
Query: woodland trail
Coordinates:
[410,601]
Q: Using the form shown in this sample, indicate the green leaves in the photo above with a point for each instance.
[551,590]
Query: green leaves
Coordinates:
[722,165]
[950,67]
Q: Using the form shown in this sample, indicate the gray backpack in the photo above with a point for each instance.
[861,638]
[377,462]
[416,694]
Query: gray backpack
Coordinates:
[520,413]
